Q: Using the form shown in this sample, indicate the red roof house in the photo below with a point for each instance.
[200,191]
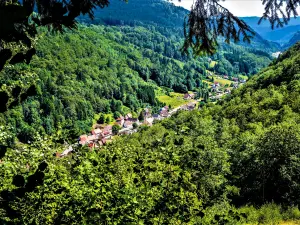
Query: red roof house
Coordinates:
[83,139]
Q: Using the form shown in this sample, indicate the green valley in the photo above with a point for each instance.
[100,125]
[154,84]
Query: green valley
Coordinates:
[100,69]
[197,167]
[108,121]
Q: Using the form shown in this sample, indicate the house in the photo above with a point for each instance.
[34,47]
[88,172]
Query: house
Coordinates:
[147,112]
[156,117]
[235,79]
[92,138]
[164,113]
[226,77]
[102,142]
[128,116]
[188,96]
[120,121]
[243,81]
[217,84]
[107,131]
[214,89]
[93,145]
[83,139]
[96,132]
[235,85]
[134,120]
[227,91]
[163,109]
[149,121]
[191,106]
[127,132]
[166,107]
[128,124]
[184,107]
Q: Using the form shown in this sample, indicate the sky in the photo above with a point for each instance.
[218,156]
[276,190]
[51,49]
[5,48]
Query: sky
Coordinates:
[237,7]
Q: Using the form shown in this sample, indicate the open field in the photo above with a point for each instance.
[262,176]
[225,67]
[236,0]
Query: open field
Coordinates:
[175,99]
[220,80]
[223,81]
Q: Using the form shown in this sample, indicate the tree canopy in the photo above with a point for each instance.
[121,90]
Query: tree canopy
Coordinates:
[207,20]
[196,167]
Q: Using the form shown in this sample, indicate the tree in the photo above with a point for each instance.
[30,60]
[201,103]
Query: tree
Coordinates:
[107,119]
[101,119]
[23,18]
[135,125]
[117,114]
[116,129]
[207,20]
[141,116]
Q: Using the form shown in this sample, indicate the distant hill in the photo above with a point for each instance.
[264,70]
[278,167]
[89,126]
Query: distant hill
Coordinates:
[293,40]
[135,12]
[280,35]
[159,13]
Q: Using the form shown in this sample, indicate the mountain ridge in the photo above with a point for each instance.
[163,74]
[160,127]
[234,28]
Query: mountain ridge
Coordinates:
[160,13]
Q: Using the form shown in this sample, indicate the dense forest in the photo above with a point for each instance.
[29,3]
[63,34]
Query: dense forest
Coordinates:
[107,69]
[235,161]
[207,166]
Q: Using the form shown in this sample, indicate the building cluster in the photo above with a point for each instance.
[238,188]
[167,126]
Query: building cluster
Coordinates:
[127,121]
[217,91]
[103,133]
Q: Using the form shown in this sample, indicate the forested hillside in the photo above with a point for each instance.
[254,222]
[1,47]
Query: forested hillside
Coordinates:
[106,69]
[160,14]
[140,12]
[293,40]
[200,167]
[235,161]
[279,34]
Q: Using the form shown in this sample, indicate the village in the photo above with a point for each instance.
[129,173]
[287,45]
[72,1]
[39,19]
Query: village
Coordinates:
[102,134]
[223,86]
[127,125]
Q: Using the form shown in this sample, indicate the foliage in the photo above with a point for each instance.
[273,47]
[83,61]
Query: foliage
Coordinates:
[72,85]
[66,84]
[194,168]
[207,20]
[23,17]
[208,166]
